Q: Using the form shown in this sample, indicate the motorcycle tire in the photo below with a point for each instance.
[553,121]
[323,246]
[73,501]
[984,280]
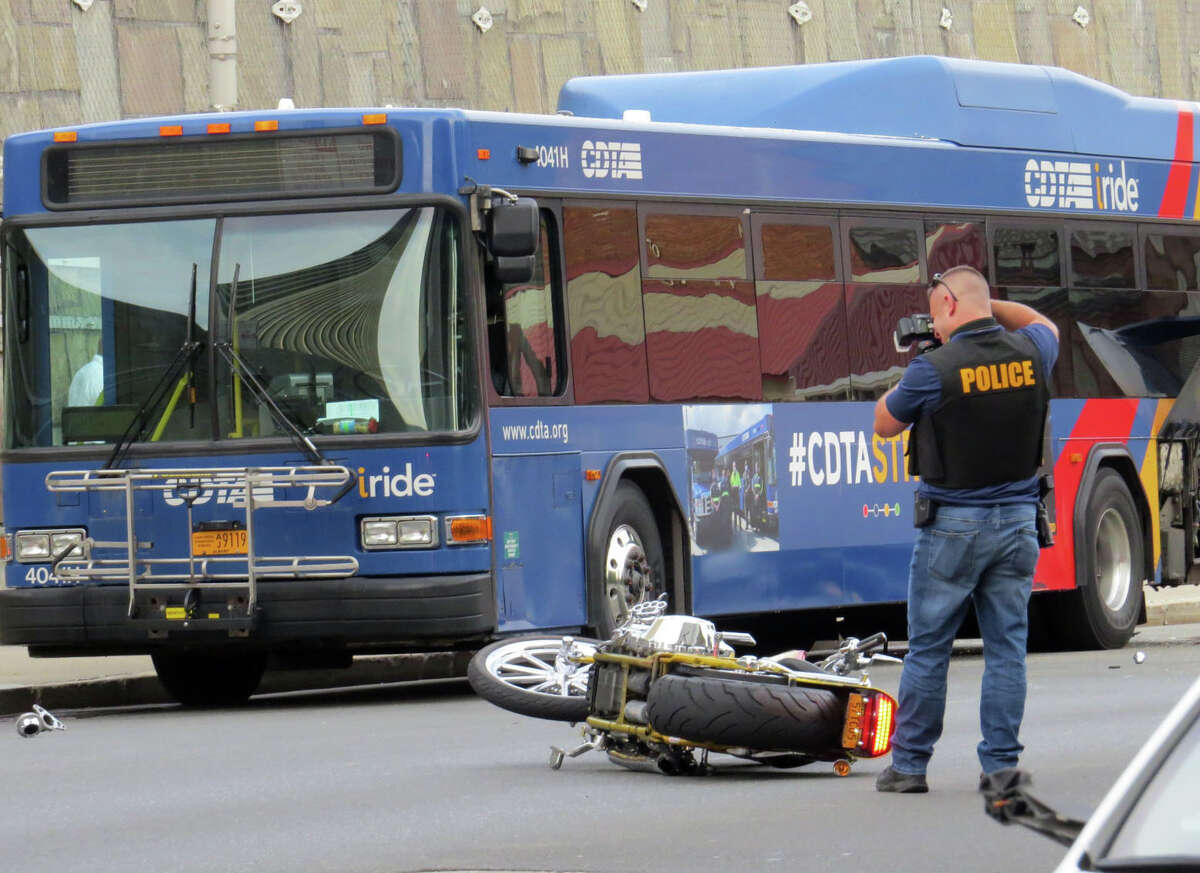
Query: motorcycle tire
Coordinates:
[765,716]
[518,674]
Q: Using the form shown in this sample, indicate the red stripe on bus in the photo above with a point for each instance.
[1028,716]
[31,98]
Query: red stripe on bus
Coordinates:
[1100,421]
[1175,196]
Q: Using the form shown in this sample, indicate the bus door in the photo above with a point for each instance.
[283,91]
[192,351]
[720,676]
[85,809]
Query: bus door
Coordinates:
[536,476]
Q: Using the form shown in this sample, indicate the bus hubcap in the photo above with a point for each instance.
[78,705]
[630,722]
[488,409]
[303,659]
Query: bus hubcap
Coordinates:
[627,575]
[1114,560]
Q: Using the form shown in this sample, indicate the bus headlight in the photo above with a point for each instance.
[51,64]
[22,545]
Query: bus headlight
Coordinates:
[399,532]
[42,546]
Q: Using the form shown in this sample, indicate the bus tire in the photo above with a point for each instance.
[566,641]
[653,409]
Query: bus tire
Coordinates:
[1103,612]
[632,567]
[764,716]
[209,679]
[518,674]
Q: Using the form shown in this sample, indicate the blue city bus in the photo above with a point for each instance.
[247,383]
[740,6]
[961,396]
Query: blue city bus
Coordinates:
[303,384]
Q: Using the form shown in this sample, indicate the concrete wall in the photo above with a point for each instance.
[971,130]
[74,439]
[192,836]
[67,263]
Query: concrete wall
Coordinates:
[61,65]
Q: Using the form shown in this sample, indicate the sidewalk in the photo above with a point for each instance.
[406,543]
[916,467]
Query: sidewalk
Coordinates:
[74,683]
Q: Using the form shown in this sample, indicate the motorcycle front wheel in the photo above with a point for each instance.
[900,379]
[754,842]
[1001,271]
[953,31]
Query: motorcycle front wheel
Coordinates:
[525,675]
[761,714]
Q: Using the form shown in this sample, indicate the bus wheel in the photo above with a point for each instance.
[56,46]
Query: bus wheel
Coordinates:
[209,679]
[1105,611]
[633,565]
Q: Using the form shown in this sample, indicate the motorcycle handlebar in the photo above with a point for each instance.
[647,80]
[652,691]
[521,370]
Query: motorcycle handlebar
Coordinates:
[873,643]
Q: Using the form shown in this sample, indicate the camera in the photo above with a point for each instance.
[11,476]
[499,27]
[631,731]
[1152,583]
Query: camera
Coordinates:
[1045,530]
[915,329]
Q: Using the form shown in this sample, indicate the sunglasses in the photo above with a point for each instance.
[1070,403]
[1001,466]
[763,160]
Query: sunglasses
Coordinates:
[935,280]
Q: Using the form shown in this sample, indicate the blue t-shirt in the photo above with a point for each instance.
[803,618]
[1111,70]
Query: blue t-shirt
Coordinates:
[920,392]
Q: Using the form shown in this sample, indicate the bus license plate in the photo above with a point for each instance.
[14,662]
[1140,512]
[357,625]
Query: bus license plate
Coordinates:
[218,542]
[852,732]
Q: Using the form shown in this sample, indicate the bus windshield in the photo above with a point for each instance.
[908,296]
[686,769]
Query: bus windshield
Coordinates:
[353,322]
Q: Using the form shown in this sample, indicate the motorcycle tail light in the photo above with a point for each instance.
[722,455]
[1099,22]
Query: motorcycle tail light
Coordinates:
[878,724]
[869,724]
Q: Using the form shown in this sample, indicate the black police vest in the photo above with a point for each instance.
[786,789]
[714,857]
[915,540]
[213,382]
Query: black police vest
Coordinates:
[987,429]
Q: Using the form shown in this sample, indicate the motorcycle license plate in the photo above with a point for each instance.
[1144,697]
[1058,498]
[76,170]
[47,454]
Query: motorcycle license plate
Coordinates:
[852,731]
[219,542]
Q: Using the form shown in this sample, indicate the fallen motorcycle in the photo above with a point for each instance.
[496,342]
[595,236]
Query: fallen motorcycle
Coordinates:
[666,690]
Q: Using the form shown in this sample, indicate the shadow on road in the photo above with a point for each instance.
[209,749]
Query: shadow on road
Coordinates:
[422,691]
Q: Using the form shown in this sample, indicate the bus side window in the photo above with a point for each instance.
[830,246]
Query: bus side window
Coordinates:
[604,304]
[1028,264]
[950,244]
[1172,261]
[884,260]
[801,310]
[1102,258]
[524,326]
[701,326]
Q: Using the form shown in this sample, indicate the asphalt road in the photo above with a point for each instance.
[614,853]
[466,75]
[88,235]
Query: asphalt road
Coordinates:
[426,776]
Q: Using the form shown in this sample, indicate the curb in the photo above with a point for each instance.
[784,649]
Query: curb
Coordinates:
[1173,613]
[146,690]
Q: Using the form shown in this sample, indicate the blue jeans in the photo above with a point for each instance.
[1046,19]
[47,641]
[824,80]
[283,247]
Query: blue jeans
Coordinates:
[983,554]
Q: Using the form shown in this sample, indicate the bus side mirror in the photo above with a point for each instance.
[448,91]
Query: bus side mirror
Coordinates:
[510,271]
[514,228]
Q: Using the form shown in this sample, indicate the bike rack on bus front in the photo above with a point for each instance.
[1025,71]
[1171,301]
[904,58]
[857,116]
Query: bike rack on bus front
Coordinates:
[247,488]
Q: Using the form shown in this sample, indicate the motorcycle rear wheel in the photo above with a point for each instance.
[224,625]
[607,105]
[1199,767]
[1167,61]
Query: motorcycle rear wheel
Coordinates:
[519,674]
[761,715]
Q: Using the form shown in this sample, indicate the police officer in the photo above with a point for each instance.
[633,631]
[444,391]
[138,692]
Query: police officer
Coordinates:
[977,405]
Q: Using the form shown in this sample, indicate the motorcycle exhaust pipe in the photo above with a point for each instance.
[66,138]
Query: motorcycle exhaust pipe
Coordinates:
[30,724]
[635,711]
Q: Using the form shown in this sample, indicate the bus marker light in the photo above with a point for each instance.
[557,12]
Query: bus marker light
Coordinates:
[464,529]
[267,124]
[171,130]
[375,118]
[591,475]
[65,136]
[5,548]
[1076,458]
[219,127]
[483,154]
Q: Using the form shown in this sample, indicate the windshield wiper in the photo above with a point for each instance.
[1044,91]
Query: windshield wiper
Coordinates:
[184,357]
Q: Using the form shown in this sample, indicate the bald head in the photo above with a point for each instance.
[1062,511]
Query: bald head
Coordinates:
[957,296]
[969,286]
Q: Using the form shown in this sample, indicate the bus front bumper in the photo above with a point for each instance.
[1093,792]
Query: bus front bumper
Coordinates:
[400,613]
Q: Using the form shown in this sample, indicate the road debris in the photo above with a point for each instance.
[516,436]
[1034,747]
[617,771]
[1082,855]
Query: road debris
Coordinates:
[30,724]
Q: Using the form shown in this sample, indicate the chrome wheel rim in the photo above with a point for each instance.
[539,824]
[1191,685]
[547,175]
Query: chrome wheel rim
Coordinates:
[540,667]
[628,577]
[1114,560]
